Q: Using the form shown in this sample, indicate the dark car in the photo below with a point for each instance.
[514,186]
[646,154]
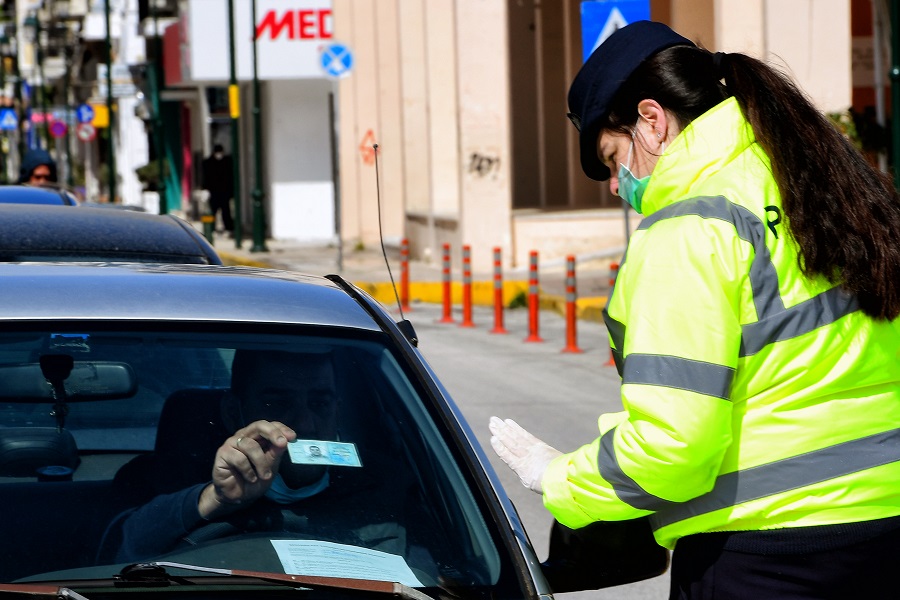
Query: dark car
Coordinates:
[119,385]
[29,194]
[56,233]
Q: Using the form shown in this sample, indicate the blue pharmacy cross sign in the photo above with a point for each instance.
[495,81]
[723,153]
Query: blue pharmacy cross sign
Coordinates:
[8,119]
[337,60]
[84,113]
[600,18]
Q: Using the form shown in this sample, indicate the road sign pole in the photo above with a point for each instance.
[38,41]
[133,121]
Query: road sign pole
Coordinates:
[70,176]
[156,75]
[259,215]
[234,107]
[111,159]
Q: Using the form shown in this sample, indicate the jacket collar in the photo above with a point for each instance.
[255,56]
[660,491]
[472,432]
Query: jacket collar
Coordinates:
[702,149]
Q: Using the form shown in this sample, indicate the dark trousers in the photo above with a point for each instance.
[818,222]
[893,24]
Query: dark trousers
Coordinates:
[219,201]
[702,569]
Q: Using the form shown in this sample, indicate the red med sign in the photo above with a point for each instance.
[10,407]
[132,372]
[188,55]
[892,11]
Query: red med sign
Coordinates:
[289,37]
[296,24]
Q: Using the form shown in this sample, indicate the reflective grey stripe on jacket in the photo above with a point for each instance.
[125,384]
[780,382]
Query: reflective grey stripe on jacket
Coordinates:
[775,323]
[756,482]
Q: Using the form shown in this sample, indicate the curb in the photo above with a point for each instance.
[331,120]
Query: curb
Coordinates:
[587,309]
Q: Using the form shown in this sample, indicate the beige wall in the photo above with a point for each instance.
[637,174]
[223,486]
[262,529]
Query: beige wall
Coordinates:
[484,130]
[817,55]
[432,81]
[808,39]
[369,103]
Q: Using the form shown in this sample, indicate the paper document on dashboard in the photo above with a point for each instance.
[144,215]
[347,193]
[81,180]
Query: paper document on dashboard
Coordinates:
[327,559]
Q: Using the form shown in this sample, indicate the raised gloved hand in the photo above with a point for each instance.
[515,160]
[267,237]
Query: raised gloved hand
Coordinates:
[524,453]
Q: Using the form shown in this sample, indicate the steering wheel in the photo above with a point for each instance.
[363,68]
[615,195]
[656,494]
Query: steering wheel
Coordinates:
[289,524]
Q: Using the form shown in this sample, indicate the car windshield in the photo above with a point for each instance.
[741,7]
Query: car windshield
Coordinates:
[105,434]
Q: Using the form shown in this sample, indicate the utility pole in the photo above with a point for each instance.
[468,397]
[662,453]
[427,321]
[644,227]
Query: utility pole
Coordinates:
[4,155]
[67,53]
[42,88]
[65,37]
[158,125]
[19,102]
[259,216]
[111,146]
[234,107]
[33,29]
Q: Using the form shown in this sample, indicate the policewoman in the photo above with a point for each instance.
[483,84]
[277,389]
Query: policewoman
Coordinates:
[754,325]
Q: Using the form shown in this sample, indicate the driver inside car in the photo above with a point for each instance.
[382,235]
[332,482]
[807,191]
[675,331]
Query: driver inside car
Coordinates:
[276,398]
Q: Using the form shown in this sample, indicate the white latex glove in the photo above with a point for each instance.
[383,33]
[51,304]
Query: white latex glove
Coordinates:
[524,453]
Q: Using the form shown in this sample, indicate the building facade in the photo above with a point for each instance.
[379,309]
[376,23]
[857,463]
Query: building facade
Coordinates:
[465,100]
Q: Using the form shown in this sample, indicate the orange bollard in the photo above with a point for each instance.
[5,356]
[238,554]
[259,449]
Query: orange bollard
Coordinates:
[448,300]
[404,275]
[571,297]
[467,287]
[498,293]
[533,299]
[613,275]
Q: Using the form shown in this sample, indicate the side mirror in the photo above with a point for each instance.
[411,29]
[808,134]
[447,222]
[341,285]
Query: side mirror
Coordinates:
[603,554]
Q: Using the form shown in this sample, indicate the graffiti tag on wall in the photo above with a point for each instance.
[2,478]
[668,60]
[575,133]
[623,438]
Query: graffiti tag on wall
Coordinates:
[482,165]
[366,148]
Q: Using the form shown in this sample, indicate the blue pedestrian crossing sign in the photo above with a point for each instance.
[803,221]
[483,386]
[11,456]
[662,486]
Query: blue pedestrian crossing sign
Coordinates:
[337,60]
[84,113]
[601,18]
[8,119]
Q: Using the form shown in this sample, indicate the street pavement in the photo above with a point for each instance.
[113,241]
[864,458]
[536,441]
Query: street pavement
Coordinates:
[556,395]
[366,267]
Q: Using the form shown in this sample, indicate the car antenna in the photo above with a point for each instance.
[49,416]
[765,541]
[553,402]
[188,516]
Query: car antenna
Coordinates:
[404,324]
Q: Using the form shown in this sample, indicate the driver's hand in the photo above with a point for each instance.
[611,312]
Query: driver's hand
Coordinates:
[245,466]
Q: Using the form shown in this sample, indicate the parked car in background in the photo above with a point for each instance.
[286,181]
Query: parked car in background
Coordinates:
[118,383]
[29,194]
[57,233]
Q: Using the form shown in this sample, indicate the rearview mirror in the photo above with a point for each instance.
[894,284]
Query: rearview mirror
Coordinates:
[88,380]
[603,554]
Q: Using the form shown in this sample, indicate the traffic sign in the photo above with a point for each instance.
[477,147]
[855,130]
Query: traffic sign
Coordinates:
[101,116]
[601,18]
[58,129]
[337,60]
[8,119]
[84,113]
[86,132]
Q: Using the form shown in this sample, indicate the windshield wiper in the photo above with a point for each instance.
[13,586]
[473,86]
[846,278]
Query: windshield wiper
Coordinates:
[40,590]
[154,574]
[365,585]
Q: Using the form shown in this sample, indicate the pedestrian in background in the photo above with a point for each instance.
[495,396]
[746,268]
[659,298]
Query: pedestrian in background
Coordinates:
[218,180]
[38,168]
[754,325]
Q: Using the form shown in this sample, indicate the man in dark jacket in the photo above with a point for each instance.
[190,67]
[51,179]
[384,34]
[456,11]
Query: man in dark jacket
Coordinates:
[254,485]
[38,168]
[218,180]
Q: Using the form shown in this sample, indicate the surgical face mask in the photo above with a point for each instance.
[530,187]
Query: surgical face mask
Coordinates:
[631,188]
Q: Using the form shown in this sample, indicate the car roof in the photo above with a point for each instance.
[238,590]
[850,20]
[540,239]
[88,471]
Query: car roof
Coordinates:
[174,293]
[30,232]
[29,194]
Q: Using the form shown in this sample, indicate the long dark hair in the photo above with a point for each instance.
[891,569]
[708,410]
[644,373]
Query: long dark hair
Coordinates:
[843,213]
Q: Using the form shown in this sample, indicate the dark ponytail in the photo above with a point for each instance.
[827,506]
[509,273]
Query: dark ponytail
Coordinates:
[843,213]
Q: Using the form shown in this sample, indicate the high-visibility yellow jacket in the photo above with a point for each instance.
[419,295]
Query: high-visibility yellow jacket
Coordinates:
[754,398]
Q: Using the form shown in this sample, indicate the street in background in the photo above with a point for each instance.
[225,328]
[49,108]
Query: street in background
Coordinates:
[558,394]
